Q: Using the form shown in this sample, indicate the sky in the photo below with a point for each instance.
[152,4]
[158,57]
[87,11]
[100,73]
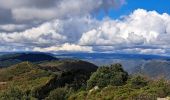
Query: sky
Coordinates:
[111,26]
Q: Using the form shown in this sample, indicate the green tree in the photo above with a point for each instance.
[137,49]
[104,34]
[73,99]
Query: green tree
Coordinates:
[111,75]
[57,94]
[138,82]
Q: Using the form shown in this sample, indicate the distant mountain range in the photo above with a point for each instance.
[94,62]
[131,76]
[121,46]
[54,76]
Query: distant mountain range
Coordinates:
[8,59]
[40,76]
[113,56]
[150,65]
[155,69]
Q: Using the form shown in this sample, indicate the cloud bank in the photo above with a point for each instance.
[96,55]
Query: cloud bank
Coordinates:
[44,10]
[69,25]
[142,32]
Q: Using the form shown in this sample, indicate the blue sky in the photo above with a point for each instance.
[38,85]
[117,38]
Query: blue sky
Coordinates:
[161,6]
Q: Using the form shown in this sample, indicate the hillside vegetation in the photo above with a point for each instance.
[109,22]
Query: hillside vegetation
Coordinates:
[77,80]
[27,80]
[113,83]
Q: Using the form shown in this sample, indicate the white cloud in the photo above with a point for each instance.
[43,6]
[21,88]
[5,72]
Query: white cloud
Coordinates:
[12,27]
[55,32]
[152,51]
[144,50]
[46,33]
[65,47]
[140,32]
[26,10]
[22,14]
[10,4]
[141,28]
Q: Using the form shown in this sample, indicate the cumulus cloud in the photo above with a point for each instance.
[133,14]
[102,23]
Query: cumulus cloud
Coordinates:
[65,47]
[55,32]
[42,10]
[10,4]
[45,34]
[12,27]
[141,28]
[21,14]
[69,26]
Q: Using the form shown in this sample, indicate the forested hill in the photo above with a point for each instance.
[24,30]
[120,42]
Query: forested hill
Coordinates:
[15,58]
[36,81]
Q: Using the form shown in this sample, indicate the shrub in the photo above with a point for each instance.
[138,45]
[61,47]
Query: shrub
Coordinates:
[57,94]
[104,76]
[13,94]
[159,87]
[79,96]
[138,82]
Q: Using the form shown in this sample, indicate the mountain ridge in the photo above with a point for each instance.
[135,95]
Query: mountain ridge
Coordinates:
[14,58]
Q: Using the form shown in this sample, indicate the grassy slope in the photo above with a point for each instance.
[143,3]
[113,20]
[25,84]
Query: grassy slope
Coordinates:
[25,76]
[39,80]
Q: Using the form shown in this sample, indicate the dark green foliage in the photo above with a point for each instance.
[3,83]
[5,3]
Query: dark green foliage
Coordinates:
[68,66]
[67,80]
[79,96]
[72,72]
[14,93]
[137,88]
[16,70]
[25,76]
[32,57]
[37,81]
[57,94]
[159,87]
[15,58]
[142,89]
[138,82]
[104,76]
